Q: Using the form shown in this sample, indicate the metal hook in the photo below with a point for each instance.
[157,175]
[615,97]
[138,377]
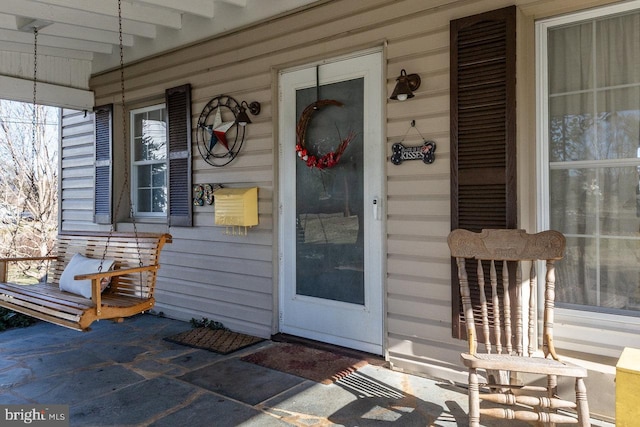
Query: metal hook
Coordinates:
[413,125]
[315,107]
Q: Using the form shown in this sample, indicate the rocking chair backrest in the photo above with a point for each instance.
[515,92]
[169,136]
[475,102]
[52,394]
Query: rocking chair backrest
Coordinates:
[496,260]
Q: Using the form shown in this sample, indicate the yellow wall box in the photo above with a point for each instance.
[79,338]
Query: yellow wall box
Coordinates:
[627,386]
[236,207]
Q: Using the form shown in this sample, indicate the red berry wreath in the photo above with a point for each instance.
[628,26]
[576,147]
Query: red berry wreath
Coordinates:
[330,159]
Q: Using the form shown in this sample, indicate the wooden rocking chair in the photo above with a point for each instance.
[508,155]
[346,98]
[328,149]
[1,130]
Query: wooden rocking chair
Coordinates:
[499,257]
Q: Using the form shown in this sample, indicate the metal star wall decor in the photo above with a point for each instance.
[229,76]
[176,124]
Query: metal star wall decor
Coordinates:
[218,123]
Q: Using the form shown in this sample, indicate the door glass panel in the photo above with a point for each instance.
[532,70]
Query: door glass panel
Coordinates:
[329,201]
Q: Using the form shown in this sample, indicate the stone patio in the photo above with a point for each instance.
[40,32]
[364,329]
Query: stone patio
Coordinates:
[127,375]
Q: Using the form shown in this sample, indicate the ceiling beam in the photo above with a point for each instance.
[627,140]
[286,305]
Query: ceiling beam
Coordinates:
[84,33]
[89,29]
[53,41]
[239,3]
[131,11]
[9,22]
[7,46]
[37,10]
[203,8]
[46,94]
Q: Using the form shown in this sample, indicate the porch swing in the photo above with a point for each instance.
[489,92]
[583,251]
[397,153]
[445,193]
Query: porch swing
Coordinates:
[95,275]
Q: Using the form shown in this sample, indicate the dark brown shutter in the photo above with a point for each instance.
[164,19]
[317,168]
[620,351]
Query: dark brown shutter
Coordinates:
[178,100]
[103,180]
[483,129]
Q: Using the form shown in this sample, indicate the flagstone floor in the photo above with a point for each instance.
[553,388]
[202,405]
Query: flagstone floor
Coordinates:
[127,375]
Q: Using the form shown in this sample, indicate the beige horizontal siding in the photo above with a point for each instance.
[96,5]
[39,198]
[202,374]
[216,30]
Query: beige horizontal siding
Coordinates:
[232,278]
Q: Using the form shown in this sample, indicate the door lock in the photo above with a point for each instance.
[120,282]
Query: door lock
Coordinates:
[376,209]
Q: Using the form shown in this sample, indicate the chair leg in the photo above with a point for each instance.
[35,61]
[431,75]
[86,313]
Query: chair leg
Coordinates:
[582,403]
[552,391]
[474,399]
[552,386]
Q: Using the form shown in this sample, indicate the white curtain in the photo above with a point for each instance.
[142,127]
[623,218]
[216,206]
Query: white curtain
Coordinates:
[594,154]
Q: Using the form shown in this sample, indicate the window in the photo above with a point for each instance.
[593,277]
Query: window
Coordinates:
[149,161]
[589,159]
[161,160]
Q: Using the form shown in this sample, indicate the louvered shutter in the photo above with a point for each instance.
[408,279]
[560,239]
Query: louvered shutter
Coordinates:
[178,101]
[103,180]
[483,130]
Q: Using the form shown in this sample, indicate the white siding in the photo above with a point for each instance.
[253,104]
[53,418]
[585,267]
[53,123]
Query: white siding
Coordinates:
[57,70]
[62,82]
[77,175]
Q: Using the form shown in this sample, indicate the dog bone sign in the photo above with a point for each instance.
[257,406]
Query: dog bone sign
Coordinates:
[426,152]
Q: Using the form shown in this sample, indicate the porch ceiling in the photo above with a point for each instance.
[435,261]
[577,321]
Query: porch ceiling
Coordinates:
[78,38]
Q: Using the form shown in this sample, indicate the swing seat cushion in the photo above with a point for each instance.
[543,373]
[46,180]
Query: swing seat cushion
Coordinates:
[79,264]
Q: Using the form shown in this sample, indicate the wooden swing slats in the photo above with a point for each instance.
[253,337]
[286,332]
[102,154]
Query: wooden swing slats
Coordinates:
[136,258]
[52,307]
[37,295]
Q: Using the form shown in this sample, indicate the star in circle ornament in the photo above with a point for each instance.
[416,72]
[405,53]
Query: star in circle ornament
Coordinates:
[219,135]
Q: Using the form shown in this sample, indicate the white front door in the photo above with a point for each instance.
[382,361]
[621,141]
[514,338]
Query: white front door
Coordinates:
[331,227]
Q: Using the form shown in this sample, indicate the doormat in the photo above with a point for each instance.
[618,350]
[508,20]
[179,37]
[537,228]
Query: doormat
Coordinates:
[318,365]
[216,340]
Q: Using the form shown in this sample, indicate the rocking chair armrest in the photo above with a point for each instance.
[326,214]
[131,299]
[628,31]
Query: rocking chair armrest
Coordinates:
[114,273]
[35,258]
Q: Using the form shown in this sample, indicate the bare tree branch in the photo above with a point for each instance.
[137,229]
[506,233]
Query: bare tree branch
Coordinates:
[28,179]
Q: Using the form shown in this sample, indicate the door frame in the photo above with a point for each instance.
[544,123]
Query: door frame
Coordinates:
[378,260]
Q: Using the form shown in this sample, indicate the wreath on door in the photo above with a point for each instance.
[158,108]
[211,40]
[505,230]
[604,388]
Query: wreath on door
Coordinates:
[330,159]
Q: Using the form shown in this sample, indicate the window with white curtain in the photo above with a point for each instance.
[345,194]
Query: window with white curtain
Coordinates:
[149,165]
[589,162]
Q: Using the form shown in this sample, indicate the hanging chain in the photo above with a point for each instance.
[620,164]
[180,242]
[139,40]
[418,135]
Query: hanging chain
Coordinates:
[34,122]
[126,158]
[124,117]
[124,138]
[35,81]
[126,146]
[315,107]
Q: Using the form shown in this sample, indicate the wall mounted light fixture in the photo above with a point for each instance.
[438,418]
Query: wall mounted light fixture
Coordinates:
[405,86]
[243,118]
